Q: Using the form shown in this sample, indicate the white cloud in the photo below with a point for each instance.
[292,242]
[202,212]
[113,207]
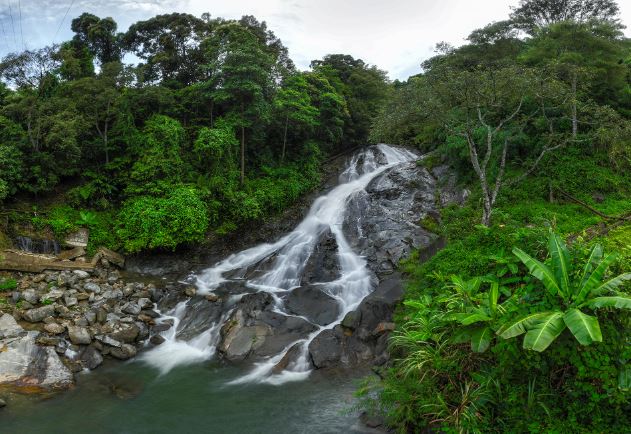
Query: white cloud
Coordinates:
[395,35]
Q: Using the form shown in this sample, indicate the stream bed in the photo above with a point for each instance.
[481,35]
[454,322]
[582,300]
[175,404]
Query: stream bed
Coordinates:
[133,398]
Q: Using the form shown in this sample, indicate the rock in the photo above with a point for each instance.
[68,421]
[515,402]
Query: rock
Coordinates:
[54,328]
[81,274]
[39,313]
[323,264]
[78,238]
[107,340]
[383,327]
[110,256]
[127,333]
[371,421]
[239,341]
[125,352]
[3,403]
[351,320]
[52,295]
[290,356]
[70,301]
[92,287]
[91,358]
[325,349]
[157,339]
[30,295]
[72,253]
[79,335]
[312,303]
[131,308]
[144,303]
[23,363]
[190,291]
[213,298]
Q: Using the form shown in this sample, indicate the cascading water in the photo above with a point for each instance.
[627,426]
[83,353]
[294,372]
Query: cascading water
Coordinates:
[285,262]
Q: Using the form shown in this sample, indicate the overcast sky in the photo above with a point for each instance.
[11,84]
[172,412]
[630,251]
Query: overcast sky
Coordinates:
[395,35]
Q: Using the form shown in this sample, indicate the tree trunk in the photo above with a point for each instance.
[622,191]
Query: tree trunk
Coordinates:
[107,152]
[574,115]
[242,145]
[282,155]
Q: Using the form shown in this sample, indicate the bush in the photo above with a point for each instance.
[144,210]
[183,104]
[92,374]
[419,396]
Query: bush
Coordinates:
[149,222]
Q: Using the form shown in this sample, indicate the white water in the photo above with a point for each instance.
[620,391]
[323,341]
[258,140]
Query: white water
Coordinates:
[288,257]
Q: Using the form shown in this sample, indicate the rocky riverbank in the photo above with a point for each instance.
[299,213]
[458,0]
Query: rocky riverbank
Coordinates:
[56,323]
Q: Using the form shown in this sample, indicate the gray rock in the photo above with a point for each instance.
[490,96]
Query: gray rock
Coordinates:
[107,340]
[92,287]
[131,308]
[39,313]
[312,303]
[81,274]
[9,328]
[52,295]
[3,403]
[325,349]
[54,329]
[157,339]
[70,301]
[145,303]
[91,358]
[125,352]
[30,295]
[79,335]
[127,333]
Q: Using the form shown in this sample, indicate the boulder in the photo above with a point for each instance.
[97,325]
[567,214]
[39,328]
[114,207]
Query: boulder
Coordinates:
[72,253]
[54,329]
[126,351]
[90,357]
[312,303]
[325,349]
[79,335]
[23,363]
[39,313]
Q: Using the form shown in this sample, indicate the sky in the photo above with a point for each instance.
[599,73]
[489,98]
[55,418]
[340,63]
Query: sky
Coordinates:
[394,35]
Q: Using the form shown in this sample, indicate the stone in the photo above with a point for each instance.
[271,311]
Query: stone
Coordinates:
[30,295]
[78,239]
[126,351]
[92,287]
[9,328]
[52,295]
[39,313]
[325,349]
[24,364]
[127,333]
[213,298]
[3,403]
[157,339]
[79,335]
[144,303]
[72,253]
[81,274]
[312,303]
[90,357]
[54,329]
[131,308]
[70,301]
[110,256]
[107,340]
[90,317]
[190,291]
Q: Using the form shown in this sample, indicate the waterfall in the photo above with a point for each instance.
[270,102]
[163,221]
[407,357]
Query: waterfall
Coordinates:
[285,261]
[30,245]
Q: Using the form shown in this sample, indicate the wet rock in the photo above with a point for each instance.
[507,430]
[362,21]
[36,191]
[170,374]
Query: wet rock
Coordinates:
[351,320]
[290,356]
[81,274]
[39,313]
[190,291]
[91,358]
[198,317]
[131,308]
[323,264]
[127,333]
[72,253]
[3,403]
[157,339]
[383,327]
[126,351]
[312,303]
[239,341]
[79,335]
[325,349]
[107,340]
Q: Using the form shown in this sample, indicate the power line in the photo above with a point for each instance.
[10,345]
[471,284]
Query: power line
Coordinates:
[62,21]
[4,33]
[15,40]
[21,30]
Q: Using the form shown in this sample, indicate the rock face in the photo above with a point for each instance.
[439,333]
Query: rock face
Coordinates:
[23,363]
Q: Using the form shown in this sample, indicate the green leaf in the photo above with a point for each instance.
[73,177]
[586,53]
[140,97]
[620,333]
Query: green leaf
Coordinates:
[611,284]
[519,325]
[470,318]
[595,278]
[481,339]
[561,263]
[617,301]
[585,328]
[594,257]
[494,295]
[539,270]
[624,377]
[544,331]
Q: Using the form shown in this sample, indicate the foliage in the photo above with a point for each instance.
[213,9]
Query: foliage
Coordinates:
[8,285]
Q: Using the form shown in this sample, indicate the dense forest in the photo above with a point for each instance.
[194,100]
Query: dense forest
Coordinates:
[212,129]
[520,323]
[534,112]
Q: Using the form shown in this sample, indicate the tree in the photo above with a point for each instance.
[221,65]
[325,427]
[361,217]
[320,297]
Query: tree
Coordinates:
[99,36]
[486,111]
[534,14]
[169,44]
[573,296]
[294,104]
[241,73]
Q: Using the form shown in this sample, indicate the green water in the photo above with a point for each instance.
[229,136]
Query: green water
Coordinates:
[132,398]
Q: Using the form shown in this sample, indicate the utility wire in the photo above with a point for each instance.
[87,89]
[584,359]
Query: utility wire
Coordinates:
[62,21]
[15,40]
[21,30]
[4,33]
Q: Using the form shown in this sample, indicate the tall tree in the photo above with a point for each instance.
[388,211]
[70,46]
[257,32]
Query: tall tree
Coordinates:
[241,73]
[534,14]
[99,36]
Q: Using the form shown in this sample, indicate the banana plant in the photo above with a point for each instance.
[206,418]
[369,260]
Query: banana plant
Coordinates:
[590,291]
[476,312]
